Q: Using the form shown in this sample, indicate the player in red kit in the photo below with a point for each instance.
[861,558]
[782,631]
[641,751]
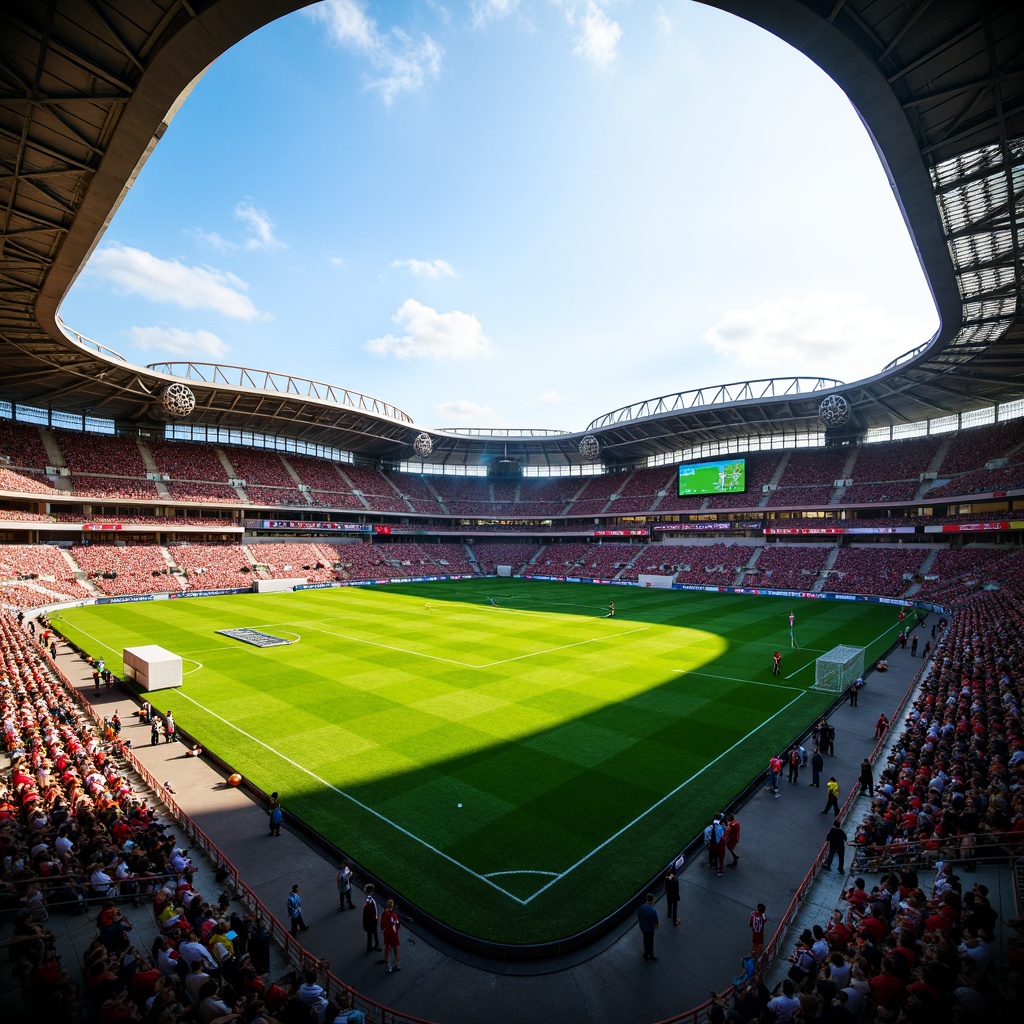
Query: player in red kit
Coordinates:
[757,923]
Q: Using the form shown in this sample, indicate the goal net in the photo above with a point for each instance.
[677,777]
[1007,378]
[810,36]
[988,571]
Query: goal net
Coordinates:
[835,670]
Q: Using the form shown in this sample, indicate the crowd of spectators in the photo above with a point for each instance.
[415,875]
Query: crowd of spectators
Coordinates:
[191,490]
[213,566]
[259,467]
[275,496]
[713,565]
[104,455]
[377,491]
[77,837]
[280,561]
[21,445]
[23,482]
[518,556]
[127,569]
[185,460]
[787,566]
[878,569]
[47,568]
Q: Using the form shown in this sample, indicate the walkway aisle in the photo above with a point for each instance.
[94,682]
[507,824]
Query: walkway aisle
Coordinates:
[608,982]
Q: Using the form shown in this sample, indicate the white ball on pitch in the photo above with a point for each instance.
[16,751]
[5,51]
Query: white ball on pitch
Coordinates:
[460,805]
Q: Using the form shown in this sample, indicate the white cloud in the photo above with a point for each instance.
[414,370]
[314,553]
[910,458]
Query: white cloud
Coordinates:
[259,235]
[663,22]
[261,227]
[177,342]
[428,334]
[832,334]
[427,268]
[462,412]
[485,11]
[401,63]
[213,240]
[135,272]
[549,397]
[599,39]
[336,261]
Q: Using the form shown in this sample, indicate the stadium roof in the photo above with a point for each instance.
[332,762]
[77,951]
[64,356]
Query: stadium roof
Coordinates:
[87,88]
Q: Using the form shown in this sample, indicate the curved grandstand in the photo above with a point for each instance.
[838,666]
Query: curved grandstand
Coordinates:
[208,477]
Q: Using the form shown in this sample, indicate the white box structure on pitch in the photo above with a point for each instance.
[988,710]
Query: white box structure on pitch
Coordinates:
[152,667]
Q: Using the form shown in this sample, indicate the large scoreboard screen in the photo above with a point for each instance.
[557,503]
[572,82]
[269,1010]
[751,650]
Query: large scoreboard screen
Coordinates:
[728,476]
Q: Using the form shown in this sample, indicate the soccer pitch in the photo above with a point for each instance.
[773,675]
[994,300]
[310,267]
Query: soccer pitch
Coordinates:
[517,769]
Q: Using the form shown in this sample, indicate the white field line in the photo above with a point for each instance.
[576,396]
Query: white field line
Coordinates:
[113,650]
[348,796]
[814,650]
[735,679]
[658,803]
[521,871]
[564,647]
[464,664]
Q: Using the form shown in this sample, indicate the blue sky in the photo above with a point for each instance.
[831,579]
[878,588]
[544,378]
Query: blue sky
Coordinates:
[511,213]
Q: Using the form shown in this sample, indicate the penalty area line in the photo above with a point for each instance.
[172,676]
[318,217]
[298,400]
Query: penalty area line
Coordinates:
[668,796]
[358,803]
[564,647]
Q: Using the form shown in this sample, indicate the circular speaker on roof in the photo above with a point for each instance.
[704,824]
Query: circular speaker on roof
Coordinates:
[422,445]
[590,448]
[834,411]
[177,400]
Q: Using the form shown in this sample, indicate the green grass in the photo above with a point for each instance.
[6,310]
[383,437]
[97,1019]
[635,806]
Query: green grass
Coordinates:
[585,751]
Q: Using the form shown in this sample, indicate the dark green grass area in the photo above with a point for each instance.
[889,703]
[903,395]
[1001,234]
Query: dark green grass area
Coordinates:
[585,751]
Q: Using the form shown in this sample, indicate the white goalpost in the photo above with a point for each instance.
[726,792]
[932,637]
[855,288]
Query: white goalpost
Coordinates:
[838,668]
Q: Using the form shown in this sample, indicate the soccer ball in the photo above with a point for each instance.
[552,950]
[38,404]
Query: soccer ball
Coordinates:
[235,780]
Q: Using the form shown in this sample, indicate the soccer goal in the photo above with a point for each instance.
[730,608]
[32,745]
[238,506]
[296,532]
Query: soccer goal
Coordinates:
[834,671]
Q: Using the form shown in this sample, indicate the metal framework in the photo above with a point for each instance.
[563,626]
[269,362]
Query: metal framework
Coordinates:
[280,383]
[88,87]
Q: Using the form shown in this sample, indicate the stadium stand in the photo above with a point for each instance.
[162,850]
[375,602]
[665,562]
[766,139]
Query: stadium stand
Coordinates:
[23,483]
[557,560]
[788,566]
[713,564]
[184,460]
[123,569]
[102,455]
[22,446]
[54,576]
[375,488]
[488,556]
[285,560]
[213,566]
[875,570]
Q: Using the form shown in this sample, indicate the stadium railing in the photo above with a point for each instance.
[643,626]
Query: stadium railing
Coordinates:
[771,950]
[294,950]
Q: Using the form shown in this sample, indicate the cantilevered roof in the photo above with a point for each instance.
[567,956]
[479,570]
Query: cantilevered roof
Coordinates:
[87,88]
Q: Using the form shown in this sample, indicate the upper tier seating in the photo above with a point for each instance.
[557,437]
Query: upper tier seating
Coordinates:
[22,444]
[260,467]
[376,489]
[98,453]
[184,460]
